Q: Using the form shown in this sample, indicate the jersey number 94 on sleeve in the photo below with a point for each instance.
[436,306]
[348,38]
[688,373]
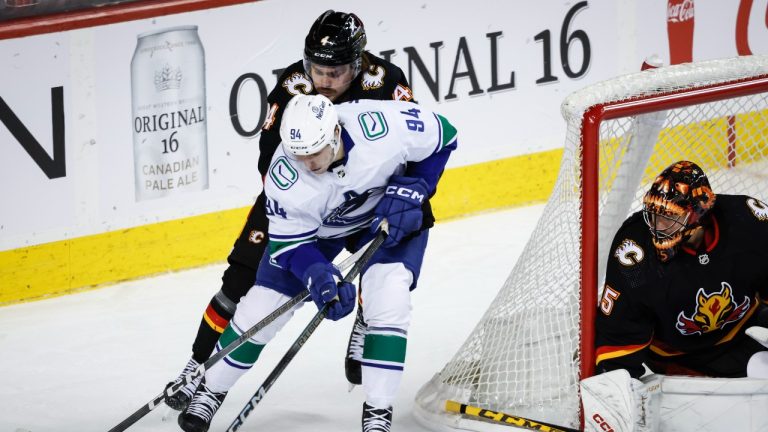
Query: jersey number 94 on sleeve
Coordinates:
[414,125]
[274,209]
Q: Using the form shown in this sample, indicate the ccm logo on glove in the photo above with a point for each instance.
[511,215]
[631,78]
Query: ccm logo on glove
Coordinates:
[405,192]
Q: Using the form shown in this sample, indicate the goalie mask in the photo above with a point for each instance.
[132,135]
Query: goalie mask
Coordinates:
[309,124]
[675,206]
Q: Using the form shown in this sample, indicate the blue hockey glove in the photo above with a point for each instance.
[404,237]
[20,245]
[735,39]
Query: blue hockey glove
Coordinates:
[324,283]
[401,206]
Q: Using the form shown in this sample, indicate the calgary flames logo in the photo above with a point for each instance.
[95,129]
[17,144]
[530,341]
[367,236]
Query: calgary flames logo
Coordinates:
[256,237]
[713,312]
[298,83]
[373,78]
[629,253]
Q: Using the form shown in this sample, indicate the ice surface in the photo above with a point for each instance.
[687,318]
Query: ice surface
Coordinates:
[86,361]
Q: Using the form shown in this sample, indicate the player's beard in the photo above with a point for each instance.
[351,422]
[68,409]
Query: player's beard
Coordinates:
[330,93]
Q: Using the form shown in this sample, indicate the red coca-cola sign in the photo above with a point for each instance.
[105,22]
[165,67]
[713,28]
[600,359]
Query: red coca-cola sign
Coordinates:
[680,22]
[679,10]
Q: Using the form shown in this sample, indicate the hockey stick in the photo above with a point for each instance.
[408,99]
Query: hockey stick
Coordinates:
[170,390]
[507,419]
[304,336]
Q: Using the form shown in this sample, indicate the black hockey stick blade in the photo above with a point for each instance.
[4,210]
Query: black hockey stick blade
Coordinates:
[502,418]
[304,336]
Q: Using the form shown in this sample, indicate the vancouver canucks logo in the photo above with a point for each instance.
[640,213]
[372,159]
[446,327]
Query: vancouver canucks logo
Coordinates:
[297,83]
[282,173]
[713,312]
[759,209]
[354,211]
[629,253]
[373,78]
[373,124]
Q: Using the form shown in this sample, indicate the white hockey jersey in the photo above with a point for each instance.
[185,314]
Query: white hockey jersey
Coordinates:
[379,138]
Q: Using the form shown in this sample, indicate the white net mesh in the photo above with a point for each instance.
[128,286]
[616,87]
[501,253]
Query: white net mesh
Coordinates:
[524,357]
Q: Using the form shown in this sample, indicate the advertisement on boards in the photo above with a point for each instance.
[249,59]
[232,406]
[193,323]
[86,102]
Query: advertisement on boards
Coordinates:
[170,149]
[139,122]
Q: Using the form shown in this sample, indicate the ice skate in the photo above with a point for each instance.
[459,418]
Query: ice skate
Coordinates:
[198,415]
[180,399]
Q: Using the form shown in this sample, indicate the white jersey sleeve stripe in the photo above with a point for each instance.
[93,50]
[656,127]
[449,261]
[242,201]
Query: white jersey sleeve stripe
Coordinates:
[439,133]
[447,133]
[308,234]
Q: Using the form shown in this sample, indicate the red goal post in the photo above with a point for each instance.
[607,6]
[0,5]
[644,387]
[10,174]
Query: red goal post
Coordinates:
[536,340]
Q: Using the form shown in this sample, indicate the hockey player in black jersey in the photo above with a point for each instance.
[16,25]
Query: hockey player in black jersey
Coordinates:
[336,65]
[679,297]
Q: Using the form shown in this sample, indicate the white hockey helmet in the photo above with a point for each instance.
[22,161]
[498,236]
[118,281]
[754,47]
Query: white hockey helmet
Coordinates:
[308,125]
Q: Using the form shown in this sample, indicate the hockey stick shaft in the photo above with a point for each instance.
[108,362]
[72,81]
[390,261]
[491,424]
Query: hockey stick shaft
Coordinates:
[278,370]
[157,400]
[304,336]
[507,419]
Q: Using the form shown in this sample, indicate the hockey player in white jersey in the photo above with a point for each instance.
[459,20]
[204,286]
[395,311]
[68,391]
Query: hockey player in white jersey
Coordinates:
[340,170]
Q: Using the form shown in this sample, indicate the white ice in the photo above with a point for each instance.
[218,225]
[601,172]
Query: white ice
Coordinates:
[86,361]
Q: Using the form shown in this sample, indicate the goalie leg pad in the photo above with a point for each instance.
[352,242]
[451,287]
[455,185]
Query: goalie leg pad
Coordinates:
[713,404]
[615,401]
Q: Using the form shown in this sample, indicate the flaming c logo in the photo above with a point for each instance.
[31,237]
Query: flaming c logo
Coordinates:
[713,312]
[373,78]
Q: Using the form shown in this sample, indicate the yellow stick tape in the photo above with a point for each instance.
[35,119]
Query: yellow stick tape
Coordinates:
[499,417]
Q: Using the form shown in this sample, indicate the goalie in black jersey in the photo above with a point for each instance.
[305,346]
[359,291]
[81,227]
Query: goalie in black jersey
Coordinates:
[679,298]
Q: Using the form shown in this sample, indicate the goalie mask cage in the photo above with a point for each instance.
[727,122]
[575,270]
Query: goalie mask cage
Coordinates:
[536,341]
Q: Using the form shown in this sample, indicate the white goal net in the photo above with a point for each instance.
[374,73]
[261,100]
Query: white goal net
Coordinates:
[526,355]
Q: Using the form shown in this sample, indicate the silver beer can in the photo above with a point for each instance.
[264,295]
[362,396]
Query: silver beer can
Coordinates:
[170,151]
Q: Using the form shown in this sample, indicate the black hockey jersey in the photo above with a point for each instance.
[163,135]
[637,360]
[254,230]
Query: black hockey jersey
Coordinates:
[699,301]
[381,80]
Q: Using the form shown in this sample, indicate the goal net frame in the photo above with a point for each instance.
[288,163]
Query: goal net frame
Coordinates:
[645,98]
[592,119]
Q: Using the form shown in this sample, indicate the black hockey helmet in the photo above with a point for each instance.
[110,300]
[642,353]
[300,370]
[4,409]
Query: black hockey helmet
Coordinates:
[335,38]
[675,205]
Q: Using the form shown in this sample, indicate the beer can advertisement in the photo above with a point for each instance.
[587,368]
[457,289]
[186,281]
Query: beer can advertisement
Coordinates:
[169,113]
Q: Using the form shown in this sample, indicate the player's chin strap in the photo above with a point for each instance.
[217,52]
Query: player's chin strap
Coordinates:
[614,401]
